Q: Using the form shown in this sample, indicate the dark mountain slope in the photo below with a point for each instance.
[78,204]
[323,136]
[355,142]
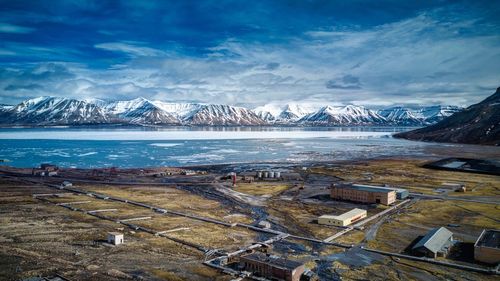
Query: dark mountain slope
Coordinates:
[477,124]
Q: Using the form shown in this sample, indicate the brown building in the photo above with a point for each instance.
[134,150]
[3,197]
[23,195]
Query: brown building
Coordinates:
[363,193]
[487,247]
[48,167]
[272,267]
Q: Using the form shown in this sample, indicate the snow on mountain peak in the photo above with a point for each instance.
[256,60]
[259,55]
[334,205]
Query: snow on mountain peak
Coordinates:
[57,110]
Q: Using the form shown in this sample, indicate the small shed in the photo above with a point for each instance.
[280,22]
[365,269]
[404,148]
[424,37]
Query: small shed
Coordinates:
[264,224]
[115,238]
[67,184]
[436,242]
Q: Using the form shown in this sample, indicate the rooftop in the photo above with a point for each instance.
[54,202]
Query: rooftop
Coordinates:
[368,188]
[347,215]
[435,239]
[273,261]
[489,238]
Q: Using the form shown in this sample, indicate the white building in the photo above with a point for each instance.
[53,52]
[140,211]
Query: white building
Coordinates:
[115,238]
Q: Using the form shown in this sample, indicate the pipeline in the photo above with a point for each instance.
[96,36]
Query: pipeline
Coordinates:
[205,219]
[443,263]
[131,226]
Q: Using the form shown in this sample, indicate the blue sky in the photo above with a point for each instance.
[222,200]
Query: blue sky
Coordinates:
[250,53]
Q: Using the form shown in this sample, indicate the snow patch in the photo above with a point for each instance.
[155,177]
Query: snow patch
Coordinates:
[86,154]
[162,144]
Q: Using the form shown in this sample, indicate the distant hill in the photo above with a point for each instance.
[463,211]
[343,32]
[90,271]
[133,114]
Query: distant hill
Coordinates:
[477,124]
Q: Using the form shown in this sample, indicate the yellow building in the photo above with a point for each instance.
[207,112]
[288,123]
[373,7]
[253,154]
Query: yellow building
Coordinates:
[344,219]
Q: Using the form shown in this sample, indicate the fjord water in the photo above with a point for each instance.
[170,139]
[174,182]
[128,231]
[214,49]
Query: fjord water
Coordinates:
[177,146]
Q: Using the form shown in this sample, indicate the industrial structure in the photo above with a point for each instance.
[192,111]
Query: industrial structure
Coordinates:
[401,193]
[185,172]
[487,247]
[344,219]
[269,175]
[436,242]
[458,187]
[363,193]
[115,238]
[49,167]
[272,267]
[45,170]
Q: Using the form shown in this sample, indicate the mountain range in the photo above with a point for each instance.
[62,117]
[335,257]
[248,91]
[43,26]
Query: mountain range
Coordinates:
[45,111]
[477,124]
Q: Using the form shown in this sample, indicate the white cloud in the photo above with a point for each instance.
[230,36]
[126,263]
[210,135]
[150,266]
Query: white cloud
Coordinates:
[132,49]
[426,59]
[12,28]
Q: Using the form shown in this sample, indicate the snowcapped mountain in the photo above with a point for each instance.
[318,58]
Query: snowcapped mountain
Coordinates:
[122,107]
[180,110]
[217,114]
[5,107]
[141,111]
[98,102]
[400,116]
[268,112]
[295,112]
[343,115]
[55,111]
[434,114]
[477,124]
[284,114]
[406,116]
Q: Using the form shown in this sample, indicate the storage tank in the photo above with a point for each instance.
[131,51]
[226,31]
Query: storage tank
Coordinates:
[259,175]
[266,174]
[277,174]
[271,174]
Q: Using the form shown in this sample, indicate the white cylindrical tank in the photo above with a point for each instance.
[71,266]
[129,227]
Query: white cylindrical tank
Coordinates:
[259,175]
[266,174]
[271,174]
[277,175]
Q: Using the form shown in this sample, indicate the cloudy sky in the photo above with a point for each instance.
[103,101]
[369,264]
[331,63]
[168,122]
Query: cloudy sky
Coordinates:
[250,53]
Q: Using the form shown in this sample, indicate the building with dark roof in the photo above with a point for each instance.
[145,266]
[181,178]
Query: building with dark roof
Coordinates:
[272,267]
[487,247]
[436,242]
[363,193]
[48,167]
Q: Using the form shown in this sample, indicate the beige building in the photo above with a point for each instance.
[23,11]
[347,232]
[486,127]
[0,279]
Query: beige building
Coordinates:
[344,219]
[115,238]
[363,194]
[487,247]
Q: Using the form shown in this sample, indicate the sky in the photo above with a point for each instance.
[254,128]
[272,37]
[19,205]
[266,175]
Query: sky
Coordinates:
[250,53]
